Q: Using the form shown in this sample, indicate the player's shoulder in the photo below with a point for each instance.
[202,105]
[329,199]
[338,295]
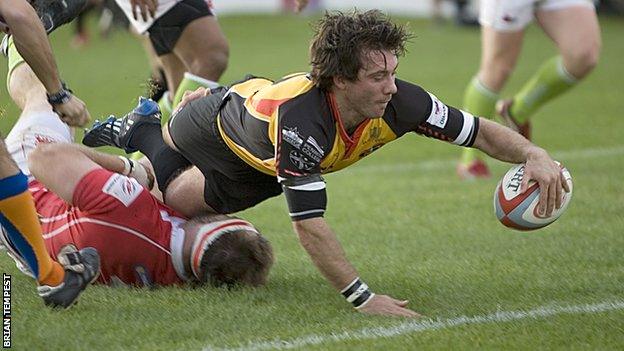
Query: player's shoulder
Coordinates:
[290,87]
[307,116]
[307,108]
[408,107]
[407,89]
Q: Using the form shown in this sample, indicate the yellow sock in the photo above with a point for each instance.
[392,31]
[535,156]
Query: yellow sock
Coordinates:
[19,218]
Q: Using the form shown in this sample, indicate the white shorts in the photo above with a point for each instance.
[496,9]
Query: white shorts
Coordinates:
[30,131]
[515,15]
[140,25]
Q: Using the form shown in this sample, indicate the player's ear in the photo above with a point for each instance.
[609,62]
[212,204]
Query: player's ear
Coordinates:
[340,82]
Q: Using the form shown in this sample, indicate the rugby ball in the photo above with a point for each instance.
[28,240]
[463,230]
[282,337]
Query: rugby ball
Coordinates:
[519,210]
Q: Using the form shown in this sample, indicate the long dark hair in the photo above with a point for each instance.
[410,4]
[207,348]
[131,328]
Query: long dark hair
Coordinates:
[341,41]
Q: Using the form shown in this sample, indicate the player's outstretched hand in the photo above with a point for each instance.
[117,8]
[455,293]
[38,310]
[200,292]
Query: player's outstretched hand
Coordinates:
[73,112]
[548,174]
[387,306]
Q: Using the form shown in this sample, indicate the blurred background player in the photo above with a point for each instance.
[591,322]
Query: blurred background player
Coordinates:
[573,27]
[83,200]
[58,286]
[187,40]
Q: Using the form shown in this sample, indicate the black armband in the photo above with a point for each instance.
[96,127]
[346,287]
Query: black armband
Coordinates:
[306,197]
[61,97]
[357,293]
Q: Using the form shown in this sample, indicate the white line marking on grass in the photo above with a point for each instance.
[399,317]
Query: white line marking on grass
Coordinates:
[431,165]
[426,325]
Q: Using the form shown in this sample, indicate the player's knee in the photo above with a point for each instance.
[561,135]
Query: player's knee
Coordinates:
[187,197]
[212,64]
[583,59]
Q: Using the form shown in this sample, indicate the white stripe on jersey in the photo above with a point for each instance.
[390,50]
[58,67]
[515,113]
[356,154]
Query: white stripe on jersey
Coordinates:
[467,129]
[142,236]
[55,218]
[306,212]
[308,187]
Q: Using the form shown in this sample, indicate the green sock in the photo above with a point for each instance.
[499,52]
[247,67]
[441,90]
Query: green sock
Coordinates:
[165,107]
[15,59]
[190,83]
[480,101]
[550,81]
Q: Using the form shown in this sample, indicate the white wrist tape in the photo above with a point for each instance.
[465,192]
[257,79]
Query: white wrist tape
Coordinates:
[127,165]
[136,170]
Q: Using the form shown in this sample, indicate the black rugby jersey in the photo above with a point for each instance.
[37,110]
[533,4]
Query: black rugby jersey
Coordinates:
[292,130]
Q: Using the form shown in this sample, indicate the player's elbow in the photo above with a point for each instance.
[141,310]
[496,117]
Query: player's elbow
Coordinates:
[301,227]
[307,231]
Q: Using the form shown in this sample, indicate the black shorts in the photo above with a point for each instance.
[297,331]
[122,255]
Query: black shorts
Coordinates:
[231,184]
[165,31]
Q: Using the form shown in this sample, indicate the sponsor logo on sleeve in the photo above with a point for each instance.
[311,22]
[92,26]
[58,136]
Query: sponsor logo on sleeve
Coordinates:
[300,161]
[123,188]
[439,113]
[291,136]
[313,150]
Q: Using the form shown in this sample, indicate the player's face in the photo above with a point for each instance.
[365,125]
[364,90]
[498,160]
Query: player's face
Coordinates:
[370,93]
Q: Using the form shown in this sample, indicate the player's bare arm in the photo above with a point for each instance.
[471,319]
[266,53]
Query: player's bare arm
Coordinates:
[506,145]
[45,160]
[32,43]
[327,254]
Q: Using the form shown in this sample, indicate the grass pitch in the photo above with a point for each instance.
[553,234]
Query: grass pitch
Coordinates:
[408,225]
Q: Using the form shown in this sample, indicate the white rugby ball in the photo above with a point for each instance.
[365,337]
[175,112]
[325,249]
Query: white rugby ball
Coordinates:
[519,210]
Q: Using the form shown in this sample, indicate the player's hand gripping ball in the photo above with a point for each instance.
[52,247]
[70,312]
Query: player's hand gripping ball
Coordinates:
[519,210]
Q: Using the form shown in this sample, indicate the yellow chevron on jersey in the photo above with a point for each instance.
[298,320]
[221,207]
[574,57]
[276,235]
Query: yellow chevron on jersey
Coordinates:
[368,137]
